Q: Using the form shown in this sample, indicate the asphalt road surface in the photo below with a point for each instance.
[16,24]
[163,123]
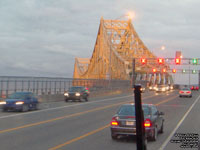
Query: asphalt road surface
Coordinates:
[85,125]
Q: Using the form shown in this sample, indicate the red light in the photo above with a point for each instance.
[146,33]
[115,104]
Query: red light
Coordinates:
[114,123]
[188,92]
[160,60]
[181,92]
[147,123]
[178,61]
[164,70]
[143,60]
[154,70]
[174,70]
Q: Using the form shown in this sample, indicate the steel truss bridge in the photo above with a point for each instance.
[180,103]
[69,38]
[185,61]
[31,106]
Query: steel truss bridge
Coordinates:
[117,43]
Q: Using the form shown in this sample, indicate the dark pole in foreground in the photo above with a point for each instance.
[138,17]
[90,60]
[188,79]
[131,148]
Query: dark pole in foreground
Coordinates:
[133,73]
[140,130]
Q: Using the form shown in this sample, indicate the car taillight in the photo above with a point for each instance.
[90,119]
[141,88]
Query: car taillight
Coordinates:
[147,123]
[188,92]
[181,92]
[114,122]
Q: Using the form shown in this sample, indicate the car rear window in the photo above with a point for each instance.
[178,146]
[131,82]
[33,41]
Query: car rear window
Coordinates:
[186,89]
[129,110]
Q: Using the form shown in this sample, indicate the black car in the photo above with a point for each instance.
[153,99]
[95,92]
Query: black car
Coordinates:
[77,93]
[124,121]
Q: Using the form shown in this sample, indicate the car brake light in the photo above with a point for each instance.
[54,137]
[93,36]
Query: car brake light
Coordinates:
[181,92]
[147,123]
[114,123]
[188,92]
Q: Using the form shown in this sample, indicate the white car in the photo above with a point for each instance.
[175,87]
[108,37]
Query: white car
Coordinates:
[185,92]
[160,88]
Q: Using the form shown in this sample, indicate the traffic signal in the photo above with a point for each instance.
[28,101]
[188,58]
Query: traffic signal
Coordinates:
[164,70]
[195,61]
[143,61]
[174,70]
[193,71]
[178,61]
[154,70]
[184,71]
[160,61]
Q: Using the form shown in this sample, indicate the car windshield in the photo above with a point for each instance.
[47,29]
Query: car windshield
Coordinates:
[17,96]
[75,89]
[129,110]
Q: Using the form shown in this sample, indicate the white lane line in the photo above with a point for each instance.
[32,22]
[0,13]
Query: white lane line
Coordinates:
[178,125]
[97,101]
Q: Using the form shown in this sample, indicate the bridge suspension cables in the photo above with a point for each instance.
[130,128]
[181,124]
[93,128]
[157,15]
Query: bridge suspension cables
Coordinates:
[117,43]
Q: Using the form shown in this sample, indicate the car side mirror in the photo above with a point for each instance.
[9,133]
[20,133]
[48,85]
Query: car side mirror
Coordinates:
[161,113]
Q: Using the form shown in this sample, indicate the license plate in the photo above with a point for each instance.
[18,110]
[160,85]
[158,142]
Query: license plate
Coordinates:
[129,123]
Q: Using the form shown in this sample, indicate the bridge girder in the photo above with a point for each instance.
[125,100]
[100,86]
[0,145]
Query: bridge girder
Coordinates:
[117,43]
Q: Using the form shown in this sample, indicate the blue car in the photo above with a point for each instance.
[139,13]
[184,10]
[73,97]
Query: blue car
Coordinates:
[20,101]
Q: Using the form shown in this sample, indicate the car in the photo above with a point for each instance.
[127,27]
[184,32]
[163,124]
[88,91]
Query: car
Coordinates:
[185,92]
[142,89]
[77,93]
[161,88]
[20,101]
[194,88]
[124,123]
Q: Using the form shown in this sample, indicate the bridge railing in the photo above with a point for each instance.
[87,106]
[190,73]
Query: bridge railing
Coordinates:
[53,86]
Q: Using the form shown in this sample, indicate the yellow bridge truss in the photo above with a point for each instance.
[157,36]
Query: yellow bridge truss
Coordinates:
[117,43]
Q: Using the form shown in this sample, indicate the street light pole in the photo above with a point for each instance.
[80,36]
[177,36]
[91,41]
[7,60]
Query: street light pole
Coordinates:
[189,73]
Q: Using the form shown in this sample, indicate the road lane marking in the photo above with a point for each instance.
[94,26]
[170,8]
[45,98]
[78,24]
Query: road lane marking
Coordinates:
[55,108]
[97,130]
[178,125]
[169,99]
[80,137]
[67,116]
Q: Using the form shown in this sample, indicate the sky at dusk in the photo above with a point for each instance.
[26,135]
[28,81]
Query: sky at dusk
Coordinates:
[42,37]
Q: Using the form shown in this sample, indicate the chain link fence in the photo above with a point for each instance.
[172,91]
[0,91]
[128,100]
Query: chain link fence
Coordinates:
[52,86]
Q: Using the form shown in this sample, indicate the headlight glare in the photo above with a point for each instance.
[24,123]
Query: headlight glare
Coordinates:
[19,103]
[78,94]
[66,94]
[2,102]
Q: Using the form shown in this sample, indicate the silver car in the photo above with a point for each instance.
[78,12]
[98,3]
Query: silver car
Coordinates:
[185,92]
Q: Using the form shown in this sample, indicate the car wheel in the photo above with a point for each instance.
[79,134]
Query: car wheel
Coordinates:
[114,137]
[24,108]
[80,100]
[4,109]
[162,128]
[180,96]
[66,100]
[155,134]
[86,99]
[36,106]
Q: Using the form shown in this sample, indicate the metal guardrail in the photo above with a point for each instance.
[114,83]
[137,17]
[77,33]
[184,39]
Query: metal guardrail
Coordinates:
[52,86]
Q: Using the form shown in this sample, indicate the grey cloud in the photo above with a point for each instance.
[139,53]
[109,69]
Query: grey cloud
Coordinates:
[46,36]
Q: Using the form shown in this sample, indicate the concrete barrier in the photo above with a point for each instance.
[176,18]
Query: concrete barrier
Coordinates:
[60,97]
